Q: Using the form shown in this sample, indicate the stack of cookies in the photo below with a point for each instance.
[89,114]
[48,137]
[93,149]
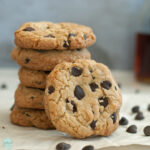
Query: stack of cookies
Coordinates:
[40,46]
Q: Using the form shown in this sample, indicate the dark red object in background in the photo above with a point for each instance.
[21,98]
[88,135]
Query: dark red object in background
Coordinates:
[142,60]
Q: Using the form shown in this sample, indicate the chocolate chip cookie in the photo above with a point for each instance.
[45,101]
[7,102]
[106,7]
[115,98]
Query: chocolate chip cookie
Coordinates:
[26,97]
[46,60]
[83,99]
[30,118]
[49,36]
[33,78]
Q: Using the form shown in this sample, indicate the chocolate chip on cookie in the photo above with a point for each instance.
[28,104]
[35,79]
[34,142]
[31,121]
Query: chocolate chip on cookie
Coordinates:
[71,35]
[74,106]
[93,124]
[63,146]
[106,84]
[76,71]
[85,36]
[78,92]
[114,117]
[51,89]
[103,101]
[66,44]
[49,36]
[27,60]
[29,29]
[93,86]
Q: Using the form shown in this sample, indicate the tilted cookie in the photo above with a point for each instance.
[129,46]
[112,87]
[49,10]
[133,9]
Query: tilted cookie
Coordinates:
[33,78]
[83,99]
[26,97]
[46,60]
[30,118]
[49,36]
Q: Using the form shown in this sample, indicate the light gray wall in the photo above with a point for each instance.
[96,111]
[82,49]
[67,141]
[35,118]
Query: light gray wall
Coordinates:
[114,22]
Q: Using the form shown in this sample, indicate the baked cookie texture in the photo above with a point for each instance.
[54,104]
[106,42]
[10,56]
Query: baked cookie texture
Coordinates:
[26,97]
[46,60]
[33,78]
[49,36]
[83,99]
[30,118]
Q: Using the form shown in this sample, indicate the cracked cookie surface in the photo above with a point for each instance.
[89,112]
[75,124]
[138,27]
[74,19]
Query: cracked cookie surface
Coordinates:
[46,60]
[83,99]
[33,78]
[49,36]
[26,97]
[30,118]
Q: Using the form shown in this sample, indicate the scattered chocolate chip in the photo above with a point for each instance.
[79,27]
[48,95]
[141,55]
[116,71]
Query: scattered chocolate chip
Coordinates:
[28,29]
[93,86]
[3,127]
[74,106]
[139,116]
[106,84]
[88,147]
[12,107]
[76,71]
[27,60]
[51,89]
[137,91]
[32,97]
[49,36]
[66,44]
[93,124]
[135,109]
[114,117]
[147,130]
[123,121]
[103,101]
[148,108]
[78,92]
[132,129]
[119,85]
[3,86]
[85,37]
[63,146]
[71,34]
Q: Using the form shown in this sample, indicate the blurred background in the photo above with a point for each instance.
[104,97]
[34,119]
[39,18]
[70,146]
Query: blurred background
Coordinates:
[115,23]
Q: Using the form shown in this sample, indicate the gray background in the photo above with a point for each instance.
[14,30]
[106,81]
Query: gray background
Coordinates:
[115,23]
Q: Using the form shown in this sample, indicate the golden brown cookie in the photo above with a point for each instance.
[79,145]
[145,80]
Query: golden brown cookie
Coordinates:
[46,60]
[30,118]
[83,99]
[26,97]
[33,78]
[49,36]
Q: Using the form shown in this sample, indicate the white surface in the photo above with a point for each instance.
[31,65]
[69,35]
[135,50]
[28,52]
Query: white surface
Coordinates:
[36,139]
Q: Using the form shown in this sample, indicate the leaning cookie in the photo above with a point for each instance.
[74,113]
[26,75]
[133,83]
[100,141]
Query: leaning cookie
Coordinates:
[26,97]
[83,99]
[46,60]
[49,36]
[33,78]
[30,118]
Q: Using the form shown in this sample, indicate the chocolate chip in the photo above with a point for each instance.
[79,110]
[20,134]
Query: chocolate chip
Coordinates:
[47,72]
[148,108]
[48,27]
[3,86]
[51,89]
[135,109]
[27,60]
[93,124]
[137,91]
[39,82]
[147,130]
[3,127]
[88,147]
[93,86]
[78,49]
[12,107]
[93,77]
[78,92]
[114,117]
[26,114]
[106,84]
[103,101]
[28,29]
[132,129]
[32,97]
[85,37]
[123,121]
[74,106]
[49,36]
[71,34]
[119,85]
[115,88]
[139,116]
[63,146]
[66,44]
[76,71]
